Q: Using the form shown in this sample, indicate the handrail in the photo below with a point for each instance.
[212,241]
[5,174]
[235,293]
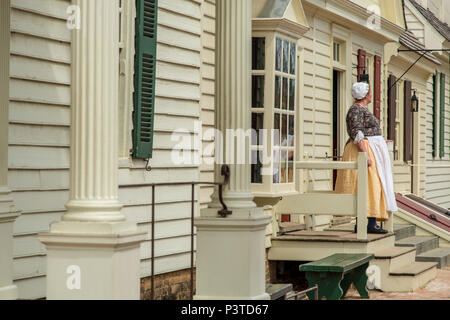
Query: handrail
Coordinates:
[326,165]
[223,213]
[295,295]
[360,210]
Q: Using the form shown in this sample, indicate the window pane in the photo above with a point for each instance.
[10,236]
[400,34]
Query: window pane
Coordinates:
[285,56]
[290,171]
[277,91]
[276,127]
[292,94]
[291,140]
[284,131]
[278,55]
[258,53]
[256,167]
[257,125]
[276,166]
[285,93]
[292,62]
[257,91]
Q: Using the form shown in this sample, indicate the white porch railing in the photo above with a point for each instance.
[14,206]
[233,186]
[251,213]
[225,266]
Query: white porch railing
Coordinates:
[315,203]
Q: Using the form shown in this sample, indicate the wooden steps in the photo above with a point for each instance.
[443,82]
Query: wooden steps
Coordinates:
[413,269]
[439,255]
[403,231]
[422,244]
[410,277]
[315,245]
[395,253]
[411,263]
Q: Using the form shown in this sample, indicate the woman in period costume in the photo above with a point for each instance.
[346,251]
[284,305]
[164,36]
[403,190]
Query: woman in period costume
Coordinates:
[366,136]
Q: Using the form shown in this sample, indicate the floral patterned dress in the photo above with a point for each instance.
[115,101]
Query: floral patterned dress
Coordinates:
[362,123]
[361,119]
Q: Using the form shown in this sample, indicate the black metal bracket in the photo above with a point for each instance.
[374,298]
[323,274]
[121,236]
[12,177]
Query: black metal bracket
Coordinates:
[226,173]
[148,167]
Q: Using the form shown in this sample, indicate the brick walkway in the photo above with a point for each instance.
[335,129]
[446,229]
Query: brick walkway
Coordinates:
[438,289]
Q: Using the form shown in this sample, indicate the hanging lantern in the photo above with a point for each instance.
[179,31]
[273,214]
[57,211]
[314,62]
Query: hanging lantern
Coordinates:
[414,103]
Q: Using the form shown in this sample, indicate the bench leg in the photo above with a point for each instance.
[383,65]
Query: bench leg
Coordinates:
[345,284]
[328,283]
[359,278]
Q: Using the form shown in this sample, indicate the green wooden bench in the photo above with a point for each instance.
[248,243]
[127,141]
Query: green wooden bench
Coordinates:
[336,273]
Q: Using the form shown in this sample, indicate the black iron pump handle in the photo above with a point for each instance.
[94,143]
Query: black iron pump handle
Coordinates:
[225,171]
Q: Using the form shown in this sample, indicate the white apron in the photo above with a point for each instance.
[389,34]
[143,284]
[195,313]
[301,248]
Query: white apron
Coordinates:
[381,154]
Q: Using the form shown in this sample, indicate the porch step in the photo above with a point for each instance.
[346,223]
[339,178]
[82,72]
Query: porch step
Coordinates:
[413,269]
[422,244]
[393,258]
[403,231]
[439,255]
[410,278]
[393,252]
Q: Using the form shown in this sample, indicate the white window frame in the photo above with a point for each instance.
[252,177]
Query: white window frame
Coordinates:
[268,188]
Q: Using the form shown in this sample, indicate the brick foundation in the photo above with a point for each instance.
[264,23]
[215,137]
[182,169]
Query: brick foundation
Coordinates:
[168,286]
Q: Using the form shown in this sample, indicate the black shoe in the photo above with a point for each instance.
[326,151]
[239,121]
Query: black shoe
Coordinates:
[376,230]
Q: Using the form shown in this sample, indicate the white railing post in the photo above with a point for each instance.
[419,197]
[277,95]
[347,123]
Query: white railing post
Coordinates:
[362,196]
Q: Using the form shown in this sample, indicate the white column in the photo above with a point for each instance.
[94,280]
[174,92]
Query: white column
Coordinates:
[93,253]
[8,213]
[231,251]
[233,100]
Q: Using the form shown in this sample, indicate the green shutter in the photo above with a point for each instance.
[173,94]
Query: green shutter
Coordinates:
[434,129]
[442,117]
[144,78]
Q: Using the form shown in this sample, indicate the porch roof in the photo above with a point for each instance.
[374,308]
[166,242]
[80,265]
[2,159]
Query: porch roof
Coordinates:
[271,9]
[410,41]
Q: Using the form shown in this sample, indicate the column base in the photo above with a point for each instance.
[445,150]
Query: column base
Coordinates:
[231,255]
[9,293]
[94,265]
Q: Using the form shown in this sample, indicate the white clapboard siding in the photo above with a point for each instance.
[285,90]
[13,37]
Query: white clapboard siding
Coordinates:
[38,131]
[207,97]
[438,170]
[39,135]
[177,125]
[317,106]
[414,24]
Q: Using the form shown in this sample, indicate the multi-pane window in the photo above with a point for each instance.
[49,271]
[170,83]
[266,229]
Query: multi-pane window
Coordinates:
[274,76]
[284,112]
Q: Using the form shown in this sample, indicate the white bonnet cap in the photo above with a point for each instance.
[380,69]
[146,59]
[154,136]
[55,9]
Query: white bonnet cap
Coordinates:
[360,90]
